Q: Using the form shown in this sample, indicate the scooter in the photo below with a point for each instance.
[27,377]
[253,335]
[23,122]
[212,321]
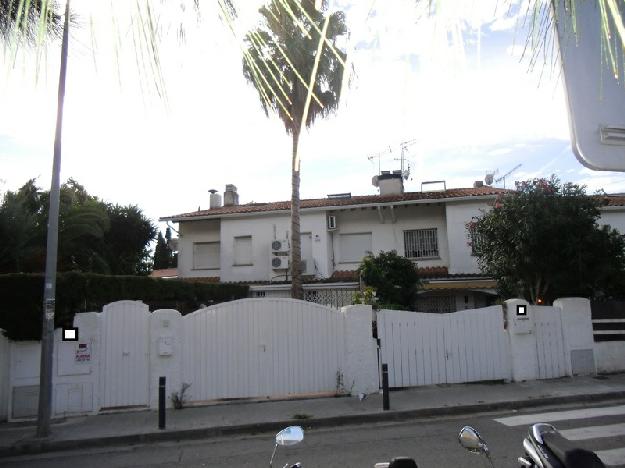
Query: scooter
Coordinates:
[286,437]
[544,448]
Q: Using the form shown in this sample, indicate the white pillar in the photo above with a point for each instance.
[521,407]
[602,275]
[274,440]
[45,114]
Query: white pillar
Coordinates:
[577,332]
[361,358]
[520,328]
[165,354]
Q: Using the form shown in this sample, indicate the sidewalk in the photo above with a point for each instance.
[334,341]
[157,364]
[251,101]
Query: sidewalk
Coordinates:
[251,417]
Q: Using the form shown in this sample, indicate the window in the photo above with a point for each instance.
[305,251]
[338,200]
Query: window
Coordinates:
[476,243]
[353,247]
[243,251]
[206,256]
[421,243]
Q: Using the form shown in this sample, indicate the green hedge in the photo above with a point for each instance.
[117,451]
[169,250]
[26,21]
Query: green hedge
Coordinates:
[21,297]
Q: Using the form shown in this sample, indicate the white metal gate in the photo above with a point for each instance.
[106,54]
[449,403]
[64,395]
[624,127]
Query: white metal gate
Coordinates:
[549,343]
[262,347]
[125,354]
[424,348]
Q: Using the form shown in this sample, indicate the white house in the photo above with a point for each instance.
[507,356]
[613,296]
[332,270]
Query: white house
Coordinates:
[250,243]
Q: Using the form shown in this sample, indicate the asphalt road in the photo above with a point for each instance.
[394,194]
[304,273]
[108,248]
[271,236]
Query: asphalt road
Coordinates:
[432,442]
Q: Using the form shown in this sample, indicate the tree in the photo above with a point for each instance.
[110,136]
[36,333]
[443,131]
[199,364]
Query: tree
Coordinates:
[285,55]
[395,278]
[21,234]
[94,236]
[163,255]
[543,242]
[127,240]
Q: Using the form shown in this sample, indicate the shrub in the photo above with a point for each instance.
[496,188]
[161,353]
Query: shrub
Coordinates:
[22,297]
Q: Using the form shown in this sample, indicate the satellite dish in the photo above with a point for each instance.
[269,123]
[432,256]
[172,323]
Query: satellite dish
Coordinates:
[596,99]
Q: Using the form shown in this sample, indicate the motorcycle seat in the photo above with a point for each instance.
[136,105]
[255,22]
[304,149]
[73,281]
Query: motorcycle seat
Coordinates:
[570,455]
[402,462]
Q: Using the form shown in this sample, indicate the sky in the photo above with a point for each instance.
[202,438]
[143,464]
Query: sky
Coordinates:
[454,84]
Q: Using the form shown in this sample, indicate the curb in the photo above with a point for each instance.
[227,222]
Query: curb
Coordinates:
[36,446]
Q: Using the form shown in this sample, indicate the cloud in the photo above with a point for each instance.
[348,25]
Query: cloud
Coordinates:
[503,24]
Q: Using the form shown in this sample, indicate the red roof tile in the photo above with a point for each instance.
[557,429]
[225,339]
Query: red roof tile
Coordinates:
[615,200]
[355,200]
[165,273]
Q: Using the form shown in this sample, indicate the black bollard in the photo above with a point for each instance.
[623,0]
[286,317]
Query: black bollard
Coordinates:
[161,402]
[385,400]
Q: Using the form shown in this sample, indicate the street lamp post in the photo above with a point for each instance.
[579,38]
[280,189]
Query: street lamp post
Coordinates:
[49,288]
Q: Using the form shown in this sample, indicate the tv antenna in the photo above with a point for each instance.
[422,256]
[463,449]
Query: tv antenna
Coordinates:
[405,173]
[503,177]
[379,155]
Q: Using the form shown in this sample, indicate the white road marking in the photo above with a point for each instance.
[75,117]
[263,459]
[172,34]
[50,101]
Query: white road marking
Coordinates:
[612,457]
[527,419]
[594,432]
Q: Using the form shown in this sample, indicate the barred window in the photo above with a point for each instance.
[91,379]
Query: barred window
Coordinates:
[421,243]
[476,243]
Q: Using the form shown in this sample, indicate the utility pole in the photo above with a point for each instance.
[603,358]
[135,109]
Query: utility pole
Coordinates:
[49,288]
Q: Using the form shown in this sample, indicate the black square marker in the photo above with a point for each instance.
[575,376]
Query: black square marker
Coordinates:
[70,334]
[521,310]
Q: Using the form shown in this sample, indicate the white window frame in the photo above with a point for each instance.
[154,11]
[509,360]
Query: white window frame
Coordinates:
[423,245]
[214,266]
[234,248]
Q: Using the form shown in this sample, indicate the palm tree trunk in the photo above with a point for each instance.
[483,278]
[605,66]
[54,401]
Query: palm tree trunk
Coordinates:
[296,247]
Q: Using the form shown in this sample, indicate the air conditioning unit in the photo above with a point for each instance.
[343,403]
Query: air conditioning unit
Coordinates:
[331,223]
[279,263]
[281,245]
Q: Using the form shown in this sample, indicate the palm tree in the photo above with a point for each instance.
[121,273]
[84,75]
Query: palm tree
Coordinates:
[27,18]
[285,53]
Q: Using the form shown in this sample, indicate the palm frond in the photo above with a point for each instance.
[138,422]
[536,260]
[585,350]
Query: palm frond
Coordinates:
[287,41]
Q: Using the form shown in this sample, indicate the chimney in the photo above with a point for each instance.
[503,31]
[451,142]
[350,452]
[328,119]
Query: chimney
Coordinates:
[389,184]
[215,199]
[231,197]
[478,184]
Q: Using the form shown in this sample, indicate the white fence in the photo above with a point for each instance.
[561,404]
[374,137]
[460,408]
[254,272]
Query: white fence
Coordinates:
[424,349]
[283,347]
[256,347]
[240,349]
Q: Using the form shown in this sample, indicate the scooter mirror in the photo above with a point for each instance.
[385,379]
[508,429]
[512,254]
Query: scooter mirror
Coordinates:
[471,440]
[290,436]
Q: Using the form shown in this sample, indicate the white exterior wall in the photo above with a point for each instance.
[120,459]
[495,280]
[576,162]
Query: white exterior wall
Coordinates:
[388,235]
[579,342]
[190,233]
[261,228]
[614,216]
[75,384]
[4,377]
[458,215]
[610,356]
